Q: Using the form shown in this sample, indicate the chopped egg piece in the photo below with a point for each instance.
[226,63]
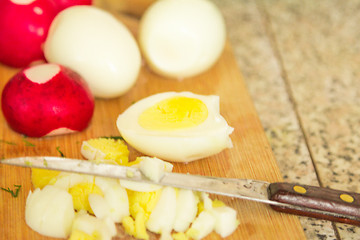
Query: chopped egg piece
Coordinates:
[154,168]
[136,227]
[115,197]
[67,180]
[105,150]
[179,236]
[186,209]
[202,225]
[42,177]
[162,218]
[139,186]
[85,224]
[141,205]
[226,221]
[80,194]
[80,235]
[50,212]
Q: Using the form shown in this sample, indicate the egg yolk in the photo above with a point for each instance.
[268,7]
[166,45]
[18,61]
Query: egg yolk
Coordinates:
[116,151]
[80,235]
[80,193]
[174,113]
[215,203]
[179,236]
[141,205]
[42,177]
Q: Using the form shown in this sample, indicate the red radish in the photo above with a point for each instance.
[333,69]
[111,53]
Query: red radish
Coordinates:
[24,25]
[47,99]
[62,4]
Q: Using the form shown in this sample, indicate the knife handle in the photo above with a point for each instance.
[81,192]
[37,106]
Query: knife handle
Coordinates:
[317,202]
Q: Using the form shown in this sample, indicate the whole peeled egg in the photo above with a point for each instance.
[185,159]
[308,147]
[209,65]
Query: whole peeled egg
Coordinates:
[176,126]
[98,46]
[182,38]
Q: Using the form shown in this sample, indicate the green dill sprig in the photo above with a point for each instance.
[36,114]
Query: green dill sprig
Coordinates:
[61,153]
[114,137]
[13,193]
[7,142]
[27,143]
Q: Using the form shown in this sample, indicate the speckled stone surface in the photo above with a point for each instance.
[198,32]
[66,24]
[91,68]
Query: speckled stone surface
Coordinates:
[300,63]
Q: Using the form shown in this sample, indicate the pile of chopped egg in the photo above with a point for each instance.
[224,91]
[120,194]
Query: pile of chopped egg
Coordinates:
[83,207]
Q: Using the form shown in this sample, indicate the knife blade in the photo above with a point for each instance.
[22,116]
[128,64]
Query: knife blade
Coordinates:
[305,200]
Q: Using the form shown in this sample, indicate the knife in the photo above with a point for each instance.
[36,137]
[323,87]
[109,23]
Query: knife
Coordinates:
[311,201]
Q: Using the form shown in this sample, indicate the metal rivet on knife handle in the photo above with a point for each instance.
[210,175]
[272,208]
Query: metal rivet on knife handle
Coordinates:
[299,189]
[346,198]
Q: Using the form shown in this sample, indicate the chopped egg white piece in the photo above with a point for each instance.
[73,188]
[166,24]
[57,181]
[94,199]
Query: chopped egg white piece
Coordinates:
[99,228]
[50,211]
[154,168]
[202,225]
[186,209]
[68,180]
[207,201]
[139,186]
[163,216]
[226,221]
[115,197]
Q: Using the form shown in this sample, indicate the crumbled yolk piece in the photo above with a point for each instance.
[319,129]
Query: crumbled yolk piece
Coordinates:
[136,227]
[192,233]
[42,177]
[142,201]
[80,193]
[174,113]
[115,150]
[141,205]
[80,235]
[179,236]
[133,163]
[215,203]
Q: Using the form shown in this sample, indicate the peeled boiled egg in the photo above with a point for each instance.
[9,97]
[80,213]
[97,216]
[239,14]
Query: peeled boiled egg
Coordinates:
[97,46]
[176,126]
[182,38]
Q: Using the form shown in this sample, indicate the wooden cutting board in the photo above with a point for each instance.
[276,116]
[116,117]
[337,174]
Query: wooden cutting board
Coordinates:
[251,156]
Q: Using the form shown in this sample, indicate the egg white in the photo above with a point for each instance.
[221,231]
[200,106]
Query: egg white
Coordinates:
[177,145]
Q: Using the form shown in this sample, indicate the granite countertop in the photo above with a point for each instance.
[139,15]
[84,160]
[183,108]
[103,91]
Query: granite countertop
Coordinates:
[300,62]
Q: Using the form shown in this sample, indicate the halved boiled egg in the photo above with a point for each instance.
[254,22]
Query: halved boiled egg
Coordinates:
[176,126]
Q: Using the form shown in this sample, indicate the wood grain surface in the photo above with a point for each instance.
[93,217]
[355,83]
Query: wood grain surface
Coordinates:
[251,156]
